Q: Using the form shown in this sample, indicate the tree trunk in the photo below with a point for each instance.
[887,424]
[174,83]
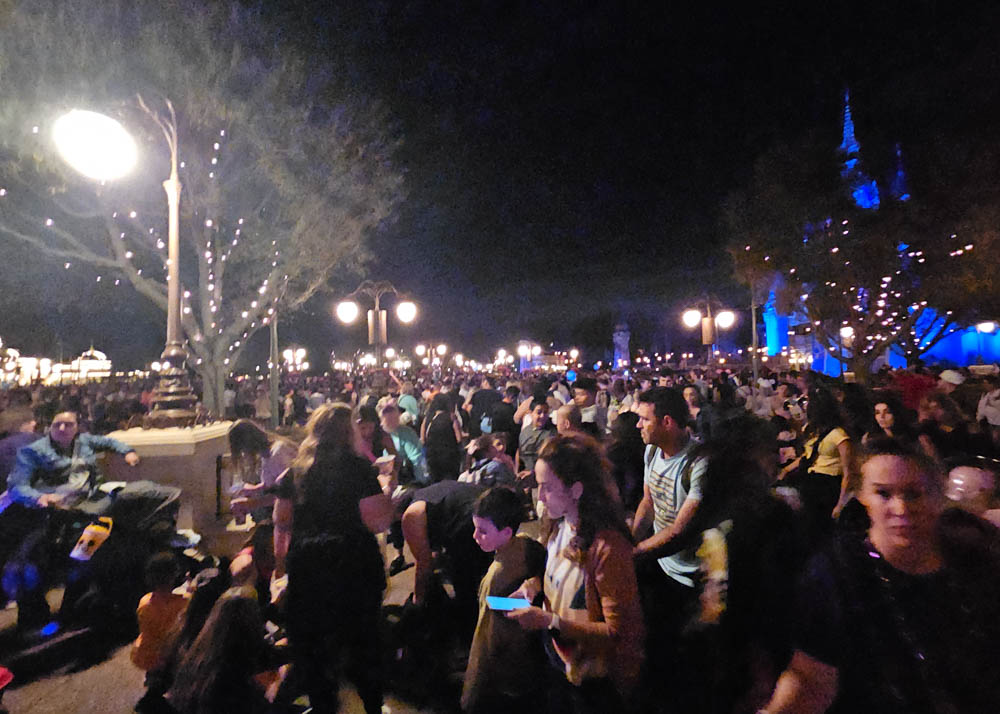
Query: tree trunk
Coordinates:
[861,365]
[213,375]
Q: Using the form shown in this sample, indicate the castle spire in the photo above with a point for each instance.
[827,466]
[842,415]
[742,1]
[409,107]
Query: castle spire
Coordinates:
[863,190]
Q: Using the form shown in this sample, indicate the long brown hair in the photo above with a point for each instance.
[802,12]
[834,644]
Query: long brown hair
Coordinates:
[578,458]
[329,433]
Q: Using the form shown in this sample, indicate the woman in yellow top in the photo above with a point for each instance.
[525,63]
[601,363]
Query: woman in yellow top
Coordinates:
[826,485]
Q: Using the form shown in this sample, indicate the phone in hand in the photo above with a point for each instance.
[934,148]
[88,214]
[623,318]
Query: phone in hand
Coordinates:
[506,603]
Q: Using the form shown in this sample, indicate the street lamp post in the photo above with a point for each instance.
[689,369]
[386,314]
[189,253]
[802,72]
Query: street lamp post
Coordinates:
[173,399]
[100,148]
[710,325]
[348,310]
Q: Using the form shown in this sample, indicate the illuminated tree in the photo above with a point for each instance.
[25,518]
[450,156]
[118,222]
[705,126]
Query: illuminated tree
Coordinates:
[864,280]
[286,169]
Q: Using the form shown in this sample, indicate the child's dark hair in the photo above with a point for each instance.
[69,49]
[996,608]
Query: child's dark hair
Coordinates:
[501,506]
[162,571]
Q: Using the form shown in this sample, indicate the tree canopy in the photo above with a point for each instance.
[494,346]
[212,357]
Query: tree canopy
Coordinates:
[287,169]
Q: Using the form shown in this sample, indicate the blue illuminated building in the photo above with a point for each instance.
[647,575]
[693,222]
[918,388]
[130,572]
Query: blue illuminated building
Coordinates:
[964,347]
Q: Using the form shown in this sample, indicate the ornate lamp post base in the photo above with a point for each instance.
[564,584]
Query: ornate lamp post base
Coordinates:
[173,401]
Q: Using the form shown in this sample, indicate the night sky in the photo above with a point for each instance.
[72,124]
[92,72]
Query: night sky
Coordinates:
[566,161]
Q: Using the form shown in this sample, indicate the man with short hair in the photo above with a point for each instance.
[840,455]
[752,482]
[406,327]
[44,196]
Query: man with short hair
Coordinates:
[535,434]
[585,397]
[671,494]
[480,403]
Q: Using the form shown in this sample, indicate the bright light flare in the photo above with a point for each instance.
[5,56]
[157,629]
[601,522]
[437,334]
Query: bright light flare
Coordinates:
[441,349]
[691,318]
[725,319]
[347,311]
[406,311]
[421,350]
[987,327]
[94,144]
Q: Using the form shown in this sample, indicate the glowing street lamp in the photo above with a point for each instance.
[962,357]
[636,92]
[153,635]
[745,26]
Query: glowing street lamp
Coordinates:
[406,311]
[536,350]
[523,350]
[691,318]
[95,145]
[459,359]
[100,148]
[420,350]
[574,354]
[441,349]
[347,311]
[390,352]
[725,319]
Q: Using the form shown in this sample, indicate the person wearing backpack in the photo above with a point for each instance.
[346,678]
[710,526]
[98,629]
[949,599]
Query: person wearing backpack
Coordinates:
[666,566]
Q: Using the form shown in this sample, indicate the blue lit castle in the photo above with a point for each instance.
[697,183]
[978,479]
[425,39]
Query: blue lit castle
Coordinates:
[788,334]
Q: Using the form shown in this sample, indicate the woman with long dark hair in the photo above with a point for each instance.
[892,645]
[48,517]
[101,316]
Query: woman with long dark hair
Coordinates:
[442,437]
[824,473]
[258,457]
[329,508]
[589,597]
[216,674]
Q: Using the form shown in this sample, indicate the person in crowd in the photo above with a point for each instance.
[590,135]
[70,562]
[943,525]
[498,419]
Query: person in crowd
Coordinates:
[593,416]
[942,431]
[262,406]
[619,401]
[587,603]
[667,566]
[533,435]
[891,421]
[506,667]
[330,506]
[501,416]
[253,565]
[568,420]
[220,673]
[437,526]
[701,415]
[442,439]
[20,426]
[259,457]
[905,620]
[480,402]
[409,404]
[490,464]
[160,614]
[625,452]
[406,443]
[824,474]
[373,441]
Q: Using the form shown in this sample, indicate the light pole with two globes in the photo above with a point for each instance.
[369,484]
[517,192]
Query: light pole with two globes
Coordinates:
[348,309]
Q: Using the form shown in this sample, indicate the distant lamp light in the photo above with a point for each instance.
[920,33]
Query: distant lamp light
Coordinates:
[501,354]
[441,349]
[300,354]
[536,350]
[459,359]
[987,327]
[847,332]
[725,319]
[94,144]
[523,350]
[691,318]
[288,355]
[421,350]
[347,311]
[390,352]
[574,353]
[406,311]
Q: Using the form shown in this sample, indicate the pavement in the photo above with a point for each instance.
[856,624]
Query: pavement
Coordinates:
[112,685]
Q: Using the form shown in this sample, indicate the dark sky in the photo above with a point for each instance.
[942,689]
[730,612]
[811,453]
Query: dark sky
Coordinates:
[566,161]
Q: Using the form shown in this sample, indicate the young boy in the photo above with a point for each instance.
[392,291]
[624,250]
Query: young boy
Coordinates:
[160,615]
[507,666]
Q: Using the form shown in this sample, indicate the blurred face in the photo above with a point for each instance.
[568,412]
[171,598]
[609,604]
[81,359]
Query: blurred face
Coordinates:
[366,430]
[540,416]
[487,536]
[583,398]
[884,416]
[390,418]
[652,428]
[902,503]
[691,396]
[559,499]
[64,428]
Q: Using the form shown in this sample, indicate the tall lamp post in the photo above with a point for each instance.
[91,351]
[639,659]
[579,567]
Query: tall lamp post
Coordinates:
[348,310]
[710,325]
[100,148]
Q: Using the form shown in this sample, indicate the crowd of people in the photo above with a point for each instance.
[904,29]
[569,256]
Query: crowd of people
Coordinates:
[674,542]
